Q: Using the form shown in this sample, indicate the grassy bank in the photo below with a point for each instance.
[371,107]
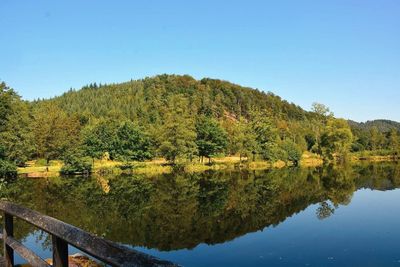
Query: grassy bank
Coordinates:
[35,169]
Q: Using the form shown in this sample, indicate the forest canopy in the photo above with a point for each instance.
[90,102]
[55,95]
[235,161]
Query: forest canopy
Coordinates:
[178,118]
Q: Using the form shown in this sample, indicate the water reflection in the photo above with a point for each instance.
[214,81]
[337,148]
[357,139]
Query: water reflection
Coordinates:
[177,211]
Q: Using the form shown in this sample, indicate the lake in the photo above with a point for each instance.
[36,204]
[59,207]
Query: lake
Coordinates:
[331,216]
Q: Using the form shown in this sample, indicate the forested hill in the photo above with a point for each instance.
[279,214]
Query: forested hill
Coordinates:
[177,118]
[382,125]
[145,100]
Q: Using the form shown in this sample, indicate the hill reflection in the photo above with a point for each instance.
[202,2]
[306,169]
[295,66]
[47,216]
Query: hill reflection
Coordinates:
[177,211]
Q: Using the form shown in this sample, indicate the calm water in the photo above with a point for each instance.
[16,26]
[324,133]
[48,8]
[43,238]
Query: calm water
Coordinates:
[346,216]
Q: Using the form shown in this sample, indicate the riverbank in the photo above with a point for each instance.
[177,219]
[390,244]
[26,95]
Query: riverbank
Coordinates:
[161,166]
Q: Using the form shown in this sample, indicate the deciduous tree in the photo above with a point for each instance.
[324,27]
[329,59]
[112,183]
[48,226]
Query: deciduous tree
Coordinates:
[178,133]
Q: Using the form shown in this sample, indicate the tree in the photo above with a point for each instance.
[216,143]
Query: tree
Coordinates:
[336,139]
[211,137]
[177,135]
[376,138]
[7,169]
[7,98]
[394,141]
[293,151]
[266,135]
[132,143]
[55,132]
[321,110]
[325,210]
[100,138]
[16,136]
[74,164]
[242,139]
[311,140]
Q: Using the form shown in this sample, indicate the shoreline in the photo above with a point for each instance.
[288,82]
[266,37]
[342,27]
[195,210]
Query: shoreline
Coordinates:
[160,166]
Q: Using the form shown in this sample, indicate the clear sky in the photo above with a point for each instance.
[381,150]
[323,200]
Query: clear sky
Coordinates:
[343,53]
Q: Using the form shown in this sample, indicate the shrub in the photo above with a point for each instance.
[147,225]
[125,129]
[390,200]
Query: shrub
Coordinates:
[273,152]
[7,169]
[76,165]
[41,163]
[293,151]
[126,166]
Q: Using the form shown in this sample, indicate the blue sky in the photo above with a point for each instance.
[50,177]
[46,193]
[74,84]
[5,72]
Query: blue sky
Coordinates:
[343,53]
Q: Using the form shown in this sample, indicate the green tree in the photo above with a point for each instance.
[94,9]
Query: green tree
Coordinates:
[311,140]
[292,151]
[74,164]
[132,143]
[7,98]
[16,136]
[211,137]
[321,110]
[243,139]
[55,132]
[376,138]
[336,139]
[177,135]
[266,135]
[100,138]
[394,141]
[7,169]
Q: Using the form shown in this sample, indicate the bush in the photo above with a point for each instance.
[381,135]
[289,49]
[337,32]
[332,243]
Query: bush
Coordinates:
[272,152]
[76,165]
[357,147]
[293,151]
[126,166]
[7,169]
[41,163]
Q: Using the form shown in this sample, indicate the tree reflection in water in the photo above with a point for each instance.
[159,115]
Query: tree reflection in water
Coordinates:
[177,211]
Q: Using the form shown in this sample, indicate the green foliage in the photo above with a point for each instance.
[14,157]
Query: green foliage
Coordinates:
[100,138]
[16,137]
[376,135]
[211,137]
[178,117]
[124,141]
[7,169]
[178,133]
[394,141]
[135,208]
[266,136]
[74,164]
[321,110]
[293,151]
[336,139]
[383,126]
[241,138]
[55,132]
[7,98]
[144,100]
[274,152]
[311,141]
[132,143]
[126,166]
[41,163]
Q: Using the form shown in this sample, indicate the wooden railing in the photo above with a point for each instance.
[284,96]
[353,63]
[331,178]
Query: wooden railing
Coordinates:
[62,235]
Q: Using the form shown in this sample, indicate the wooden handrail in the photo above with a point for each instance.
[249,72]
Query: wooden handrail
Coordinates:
[64,234]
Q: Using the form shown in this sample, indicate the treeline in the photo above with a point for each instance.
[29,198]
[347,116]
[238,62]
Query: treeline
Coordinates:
[175,117]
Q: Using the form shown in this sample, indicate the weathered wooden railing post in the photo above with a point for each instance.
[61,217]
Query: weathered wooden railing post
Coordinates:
[8,231]
[60,252]
[63,235]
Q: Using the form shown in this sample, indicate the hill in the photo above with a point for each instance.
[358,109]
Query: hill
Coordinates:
[383,126]
[180,119]
[145,99]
